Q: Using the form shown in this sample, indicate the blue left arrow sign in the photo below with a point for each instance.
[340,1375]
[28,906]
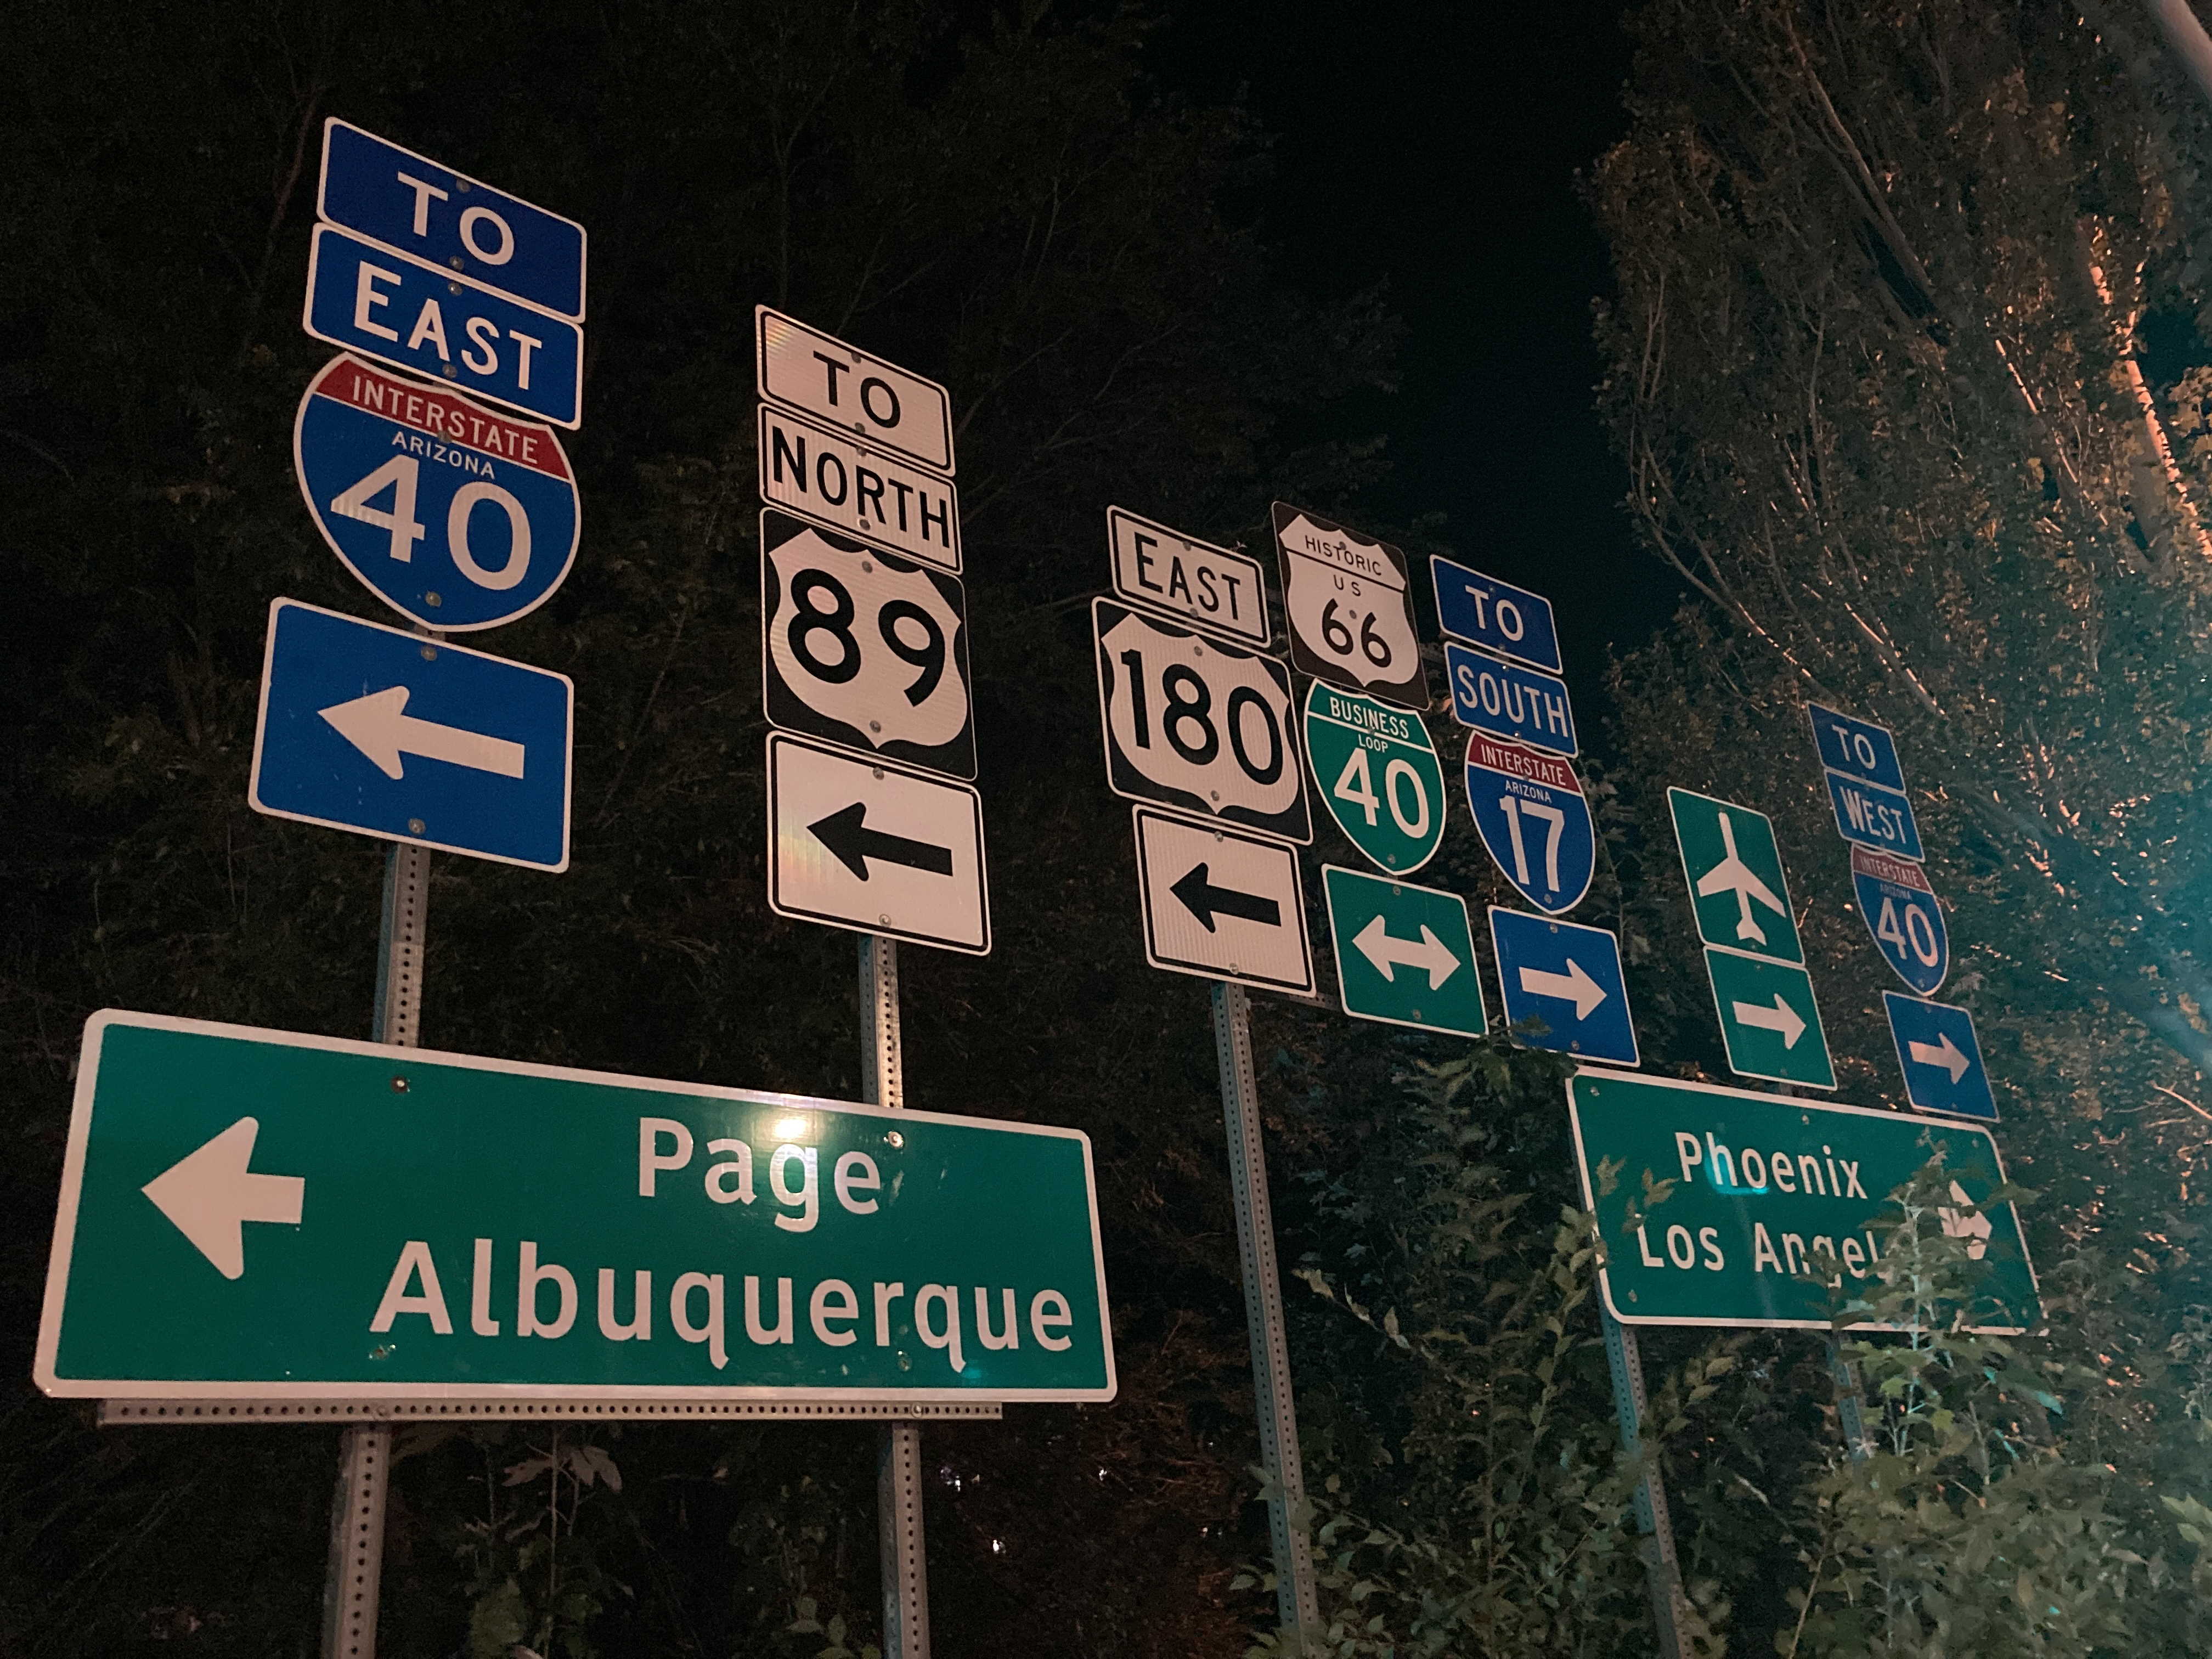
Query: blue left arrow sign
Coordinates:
[387,733]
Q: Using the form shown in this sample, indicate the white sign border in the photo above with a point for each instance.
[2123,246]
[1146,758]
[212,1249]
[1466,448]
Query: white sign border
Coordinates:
[1606,1074]
[1227,832]
[73,1164]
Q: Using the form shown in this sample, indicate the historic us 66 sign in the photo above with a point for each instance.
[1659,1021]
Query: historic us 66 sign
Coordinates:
[1350,605]
[1193,722]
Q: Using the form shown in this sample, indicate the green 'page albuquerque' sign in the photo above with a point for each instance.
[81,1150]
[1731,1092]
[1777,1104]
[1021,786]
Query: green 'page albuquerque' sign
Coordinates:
[257,1215]
[1764,1190]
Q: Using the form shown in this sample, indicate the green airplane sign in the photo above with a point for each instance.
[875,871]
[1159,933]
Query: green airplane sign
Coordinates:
[1770,1023]
[1719,1207]
[1405,955]
[1378,774]
[251,1214]
[1737,887]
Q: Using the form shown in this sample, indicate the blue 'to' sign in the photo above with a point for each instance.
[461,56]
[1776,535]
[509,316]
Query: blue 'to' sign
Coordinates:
[418,206]
[1858,749]
[443,326]
[1495,615]
[1901,913]
[452,514]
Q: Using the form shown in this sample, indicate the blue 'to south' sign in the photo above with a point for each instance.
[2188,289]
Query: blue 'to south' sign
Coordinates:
[444,325]
[452,514]
[1510,702]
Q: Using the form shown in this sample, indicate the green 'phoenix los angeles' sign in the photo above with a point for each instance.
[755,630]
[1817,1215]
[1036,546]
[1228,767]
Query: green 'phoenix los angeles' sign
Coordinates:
[1770,1204]
[258,1214]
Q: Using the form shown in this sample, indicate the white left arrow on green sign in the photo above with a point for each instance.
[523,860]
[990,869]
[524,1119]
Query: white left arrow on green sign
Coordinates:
[211,1194]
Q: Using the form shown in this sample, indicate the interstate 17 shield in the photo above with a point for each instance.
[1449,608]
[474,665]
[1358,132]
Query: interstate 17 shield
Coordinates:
[1533,819]
[452,514]
[1902,913]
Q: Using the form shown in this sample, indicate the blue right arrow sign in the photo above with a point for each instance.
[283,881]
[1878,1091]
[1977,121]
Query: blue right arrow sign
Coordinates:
[1568,976]
[1940,1057]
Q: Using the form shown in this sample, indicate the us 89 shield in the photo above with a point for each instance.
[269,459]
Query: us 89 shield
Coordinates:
[1193,723]
[865,648]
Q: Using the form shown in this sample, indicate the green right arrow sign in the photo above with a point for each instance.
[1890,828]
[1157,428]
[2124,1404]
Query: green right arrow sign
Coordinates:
[1769,1020]
[1740,896]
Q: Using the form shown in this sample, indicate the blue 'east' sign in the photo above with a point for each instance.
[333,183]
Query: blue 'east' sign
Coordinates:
[386,733]
[443,326]
[1940,1057]
[1880,818]
[1509,701]
[413,204]
[1858,749]
[1495,615]
[451,512]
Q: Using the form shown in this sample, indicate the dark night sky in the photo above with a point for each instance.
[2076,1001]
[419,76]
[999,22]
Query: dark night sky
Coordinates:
[1436,141]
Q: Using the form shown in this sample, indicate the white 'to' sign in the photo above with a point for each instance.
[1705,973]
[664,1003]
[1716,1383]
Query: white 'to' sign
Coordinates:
[1194,723]
[864,648]
[819,374]
[1349,611]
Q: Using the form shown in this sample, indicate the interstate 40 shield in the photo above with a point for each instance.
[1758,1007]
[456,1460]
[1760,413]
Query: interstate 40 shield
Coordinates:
[453,514]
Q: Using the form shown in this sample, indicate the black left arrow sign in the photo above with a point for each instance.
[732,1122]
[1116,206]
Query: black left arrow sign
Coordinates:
[1204,901]
[845,832]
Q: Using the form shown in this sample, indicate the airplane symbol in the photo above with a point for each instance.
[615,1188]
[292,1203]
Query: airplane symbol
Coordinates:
[1732,875]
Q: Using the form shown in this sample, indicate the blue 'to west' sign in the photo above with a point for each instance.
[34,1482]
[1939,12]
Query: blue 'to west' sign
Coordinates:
[451,513]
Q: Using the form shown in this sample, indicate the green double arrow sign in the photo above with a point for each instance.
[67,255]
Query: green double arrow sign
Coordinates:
[252,1214]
